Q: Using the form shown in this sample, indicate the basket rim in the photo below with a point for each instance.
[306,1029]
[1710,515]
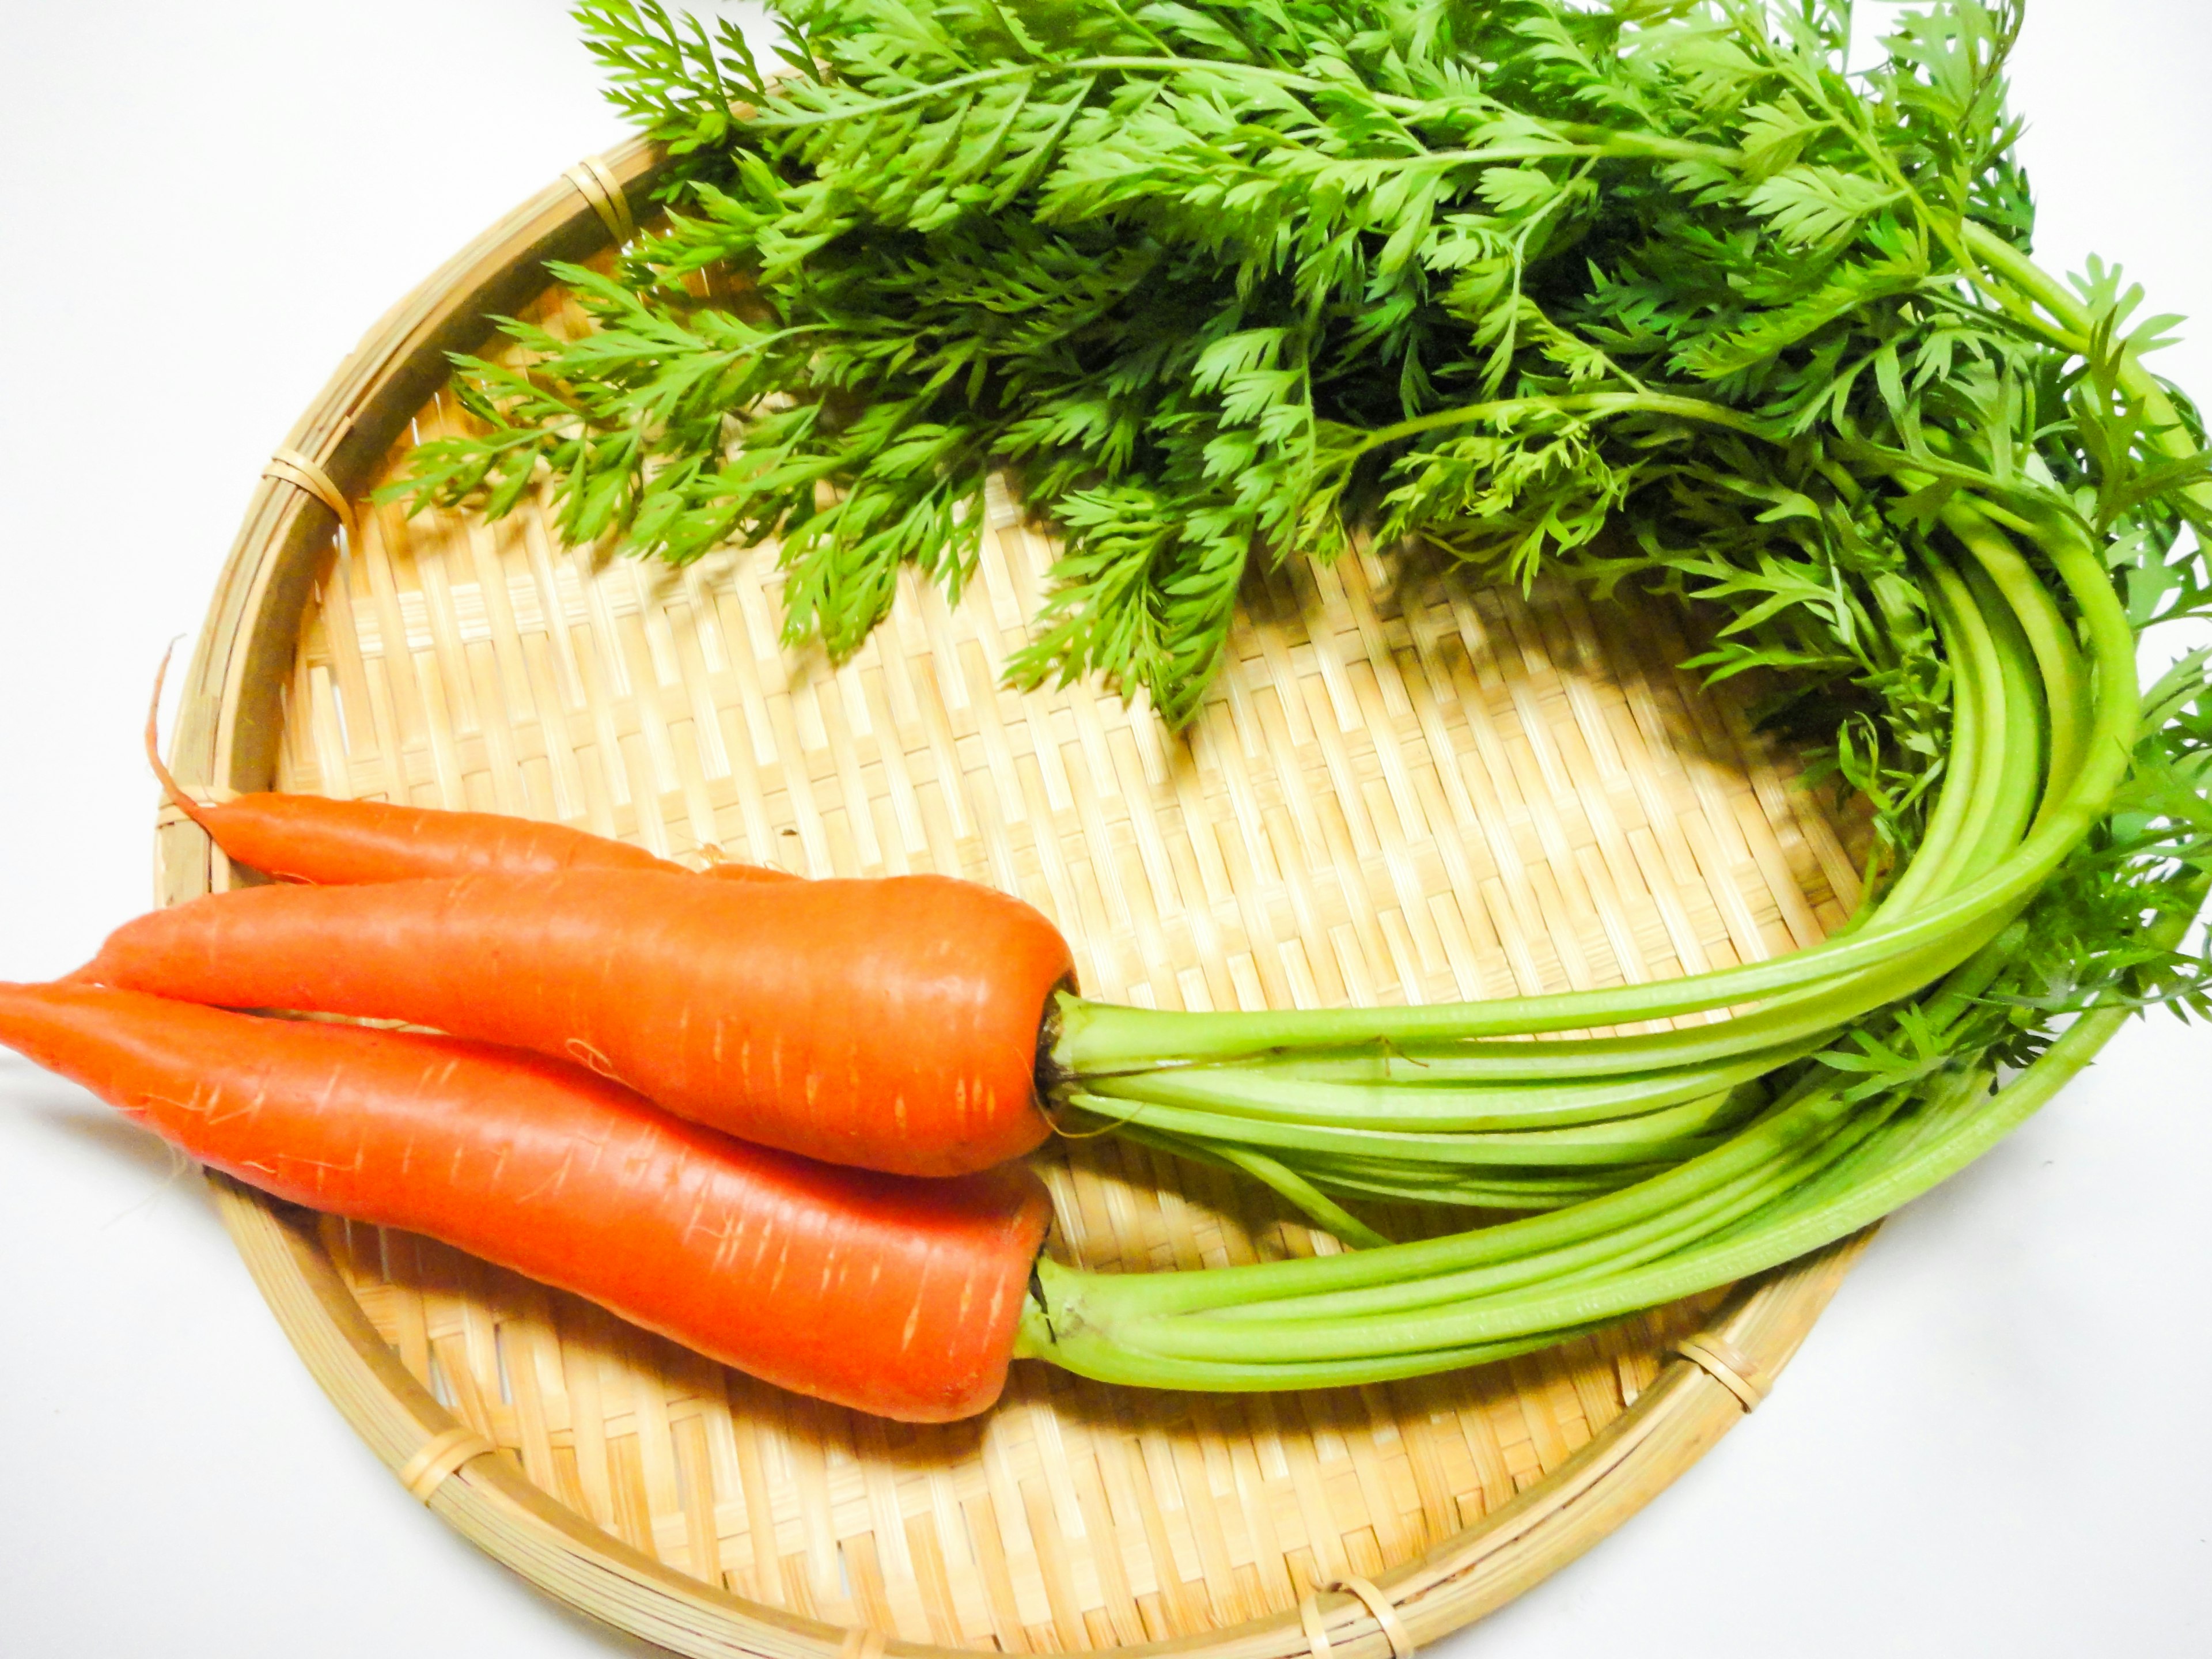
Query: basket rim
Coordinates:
[226,736]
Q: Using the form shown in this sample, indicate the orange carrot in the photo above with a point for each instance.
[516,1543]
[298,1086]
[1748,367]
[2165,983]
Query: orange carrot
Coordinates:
[310,838]
[891,1024]
[892,1295]
[730,869]
[334,843]
[313,839]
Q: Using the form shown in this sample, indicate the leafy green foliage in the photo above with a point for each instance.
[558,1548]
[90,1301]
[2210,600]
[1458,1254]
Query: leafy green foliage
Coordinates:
[1651,291]
[1648,293]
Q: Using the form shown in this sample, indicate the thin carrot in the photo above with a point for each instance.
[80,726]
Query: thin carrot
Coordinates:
[335,843]
[892,1023]
[326,842]
[730,869]
[895,1297]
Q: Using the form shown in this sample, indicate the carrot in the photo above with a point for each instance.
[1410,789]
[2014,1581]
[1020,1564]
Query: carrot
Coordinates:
[314,839]
[891,1024]
[331,843]
[895,1297]
[326,842]
[730,870]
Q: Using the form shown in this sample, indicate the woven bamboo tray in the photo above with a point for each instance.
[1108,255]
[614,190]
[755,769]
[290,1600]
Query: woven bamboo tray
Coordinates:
[1406,788]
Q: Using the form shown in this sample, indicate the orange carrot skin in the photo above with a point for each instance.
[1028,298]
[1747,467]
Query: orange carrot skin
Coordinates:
[895,1297]
[310,838]
[333,843]
[891,1024]
[730,871]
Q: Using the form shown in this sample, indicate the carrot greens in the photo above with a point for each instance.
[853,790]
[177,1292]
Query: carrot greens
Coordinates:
[1651,295]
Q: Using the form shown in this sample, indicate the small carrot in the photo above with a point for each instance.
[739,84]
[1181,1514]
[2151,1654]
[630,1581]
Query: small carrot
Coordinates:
[891,1296]
[312,839]
[326,842]
[730,870]
[892,1023]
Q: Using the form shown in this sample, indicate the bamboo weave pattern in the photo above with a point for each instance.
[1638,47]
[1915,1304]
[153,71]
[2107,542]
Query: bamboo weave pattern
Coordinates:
[1408,792]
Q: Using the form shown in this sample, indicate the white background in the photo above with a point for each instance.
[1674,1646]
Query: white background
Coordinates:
[1995,1442]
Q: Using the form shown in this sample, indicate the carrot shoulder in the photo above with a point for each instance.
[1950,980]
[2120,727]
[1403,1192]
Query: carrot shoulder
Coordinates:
[892,1295]
[890,1024]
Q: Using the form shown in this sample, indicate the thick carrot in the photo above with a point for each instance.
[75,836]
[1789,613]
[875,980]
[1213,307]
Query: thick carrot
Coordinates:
[891,1024]
[895,1297]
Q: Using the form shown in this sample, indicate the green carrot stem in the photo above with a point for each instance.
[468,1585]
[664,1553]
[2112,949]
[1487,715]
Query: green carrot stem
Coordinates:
[1579,403]
[1718,1207]
[1995,750]
[1097,1037]
[1775,1025]
[1486,1303]
[1676,1131]
[1087,1354]
[1255,1092]
[1337,1140]
[1507,1191]
[1310,1201]
[1971,716]
[1794,1119]
[1803,1116]
[2012,762]
[2065,685]
[1817,1214]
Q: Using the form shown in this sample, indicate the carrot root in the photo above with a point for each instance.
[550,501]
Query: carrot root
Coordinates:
[891,1296]
[889,1023]
[315,840]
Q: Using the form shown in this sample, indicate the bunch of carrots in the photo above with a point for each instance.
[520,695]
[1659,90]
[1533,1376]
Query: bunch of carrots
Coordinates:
[887,1291]
[779,1120]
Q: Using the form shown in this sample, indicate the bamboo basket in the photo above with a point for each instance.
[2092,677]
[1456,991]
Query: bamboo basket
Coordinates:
[1406,787]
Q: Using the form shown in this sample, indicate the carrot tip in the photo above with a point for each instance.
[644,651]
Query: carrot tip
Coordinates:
[177,797]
